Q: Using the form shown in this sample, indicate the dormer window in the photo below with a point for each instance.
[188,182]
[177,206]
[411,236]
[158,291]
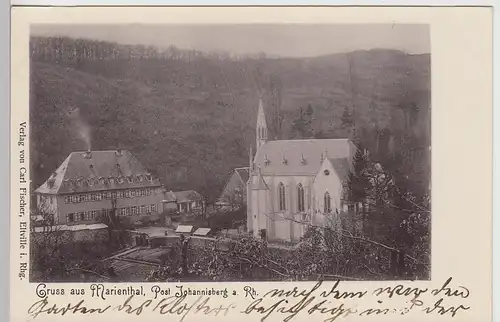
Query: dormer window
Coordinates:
[139,178]
[266,160]
[149,177]
[51,182]
[91,181]
[101,180]
[130,179]
[120,180]
[326,172]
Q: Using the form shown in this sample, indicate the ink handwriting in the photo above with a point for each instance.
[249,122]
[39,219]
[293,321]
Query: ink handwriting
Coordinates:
[283,304]
[335,303]
[173,305]
[44,307]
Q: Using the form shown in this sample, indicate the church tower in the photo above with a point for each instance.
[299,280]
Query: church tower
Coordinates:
[261,130]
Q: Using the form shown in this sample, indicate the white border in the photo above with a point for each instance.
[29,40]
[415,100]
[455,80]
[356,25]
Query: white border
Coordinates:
[253,3]
[5,76]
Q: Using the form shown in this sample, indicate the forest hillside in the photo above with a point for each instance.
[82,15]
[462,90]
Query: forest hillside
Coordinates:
[189,116]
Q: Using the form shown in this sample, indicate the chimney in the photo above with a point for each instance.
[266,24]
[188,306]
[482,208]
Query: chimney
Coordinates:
[119,152]
[87,155]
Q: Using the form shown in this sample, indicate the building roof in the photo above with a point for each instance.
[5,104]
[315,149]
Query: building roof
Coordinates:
[260,184]
[202,232]
[261,116]
[300,157]
[72,227]
[244,173]
[98,171]
[187,195]
[169,196]
[184,229]
[342,167]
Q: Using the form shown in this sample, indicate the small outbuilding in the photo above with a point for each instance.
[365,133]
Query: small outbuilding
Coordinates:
[203,232]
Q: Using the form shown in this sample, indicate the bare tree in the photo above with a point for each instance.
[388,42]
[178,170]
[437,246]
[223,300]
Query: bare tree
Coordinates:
[47,239]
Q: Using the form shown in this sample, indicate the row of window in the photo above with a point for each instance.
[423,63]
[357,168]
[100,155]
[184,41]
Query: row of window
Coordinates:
[86,215]
[97,214]
[108,195]
[136,210]
[301,199]
[107,180]
[284,161]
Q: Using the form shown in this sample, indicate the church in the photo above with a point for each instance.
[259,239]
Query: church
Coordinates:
[294,184]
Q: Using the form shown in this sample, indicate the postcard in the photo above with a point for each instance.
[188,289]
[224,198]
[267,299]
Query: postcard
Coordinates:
[251,164]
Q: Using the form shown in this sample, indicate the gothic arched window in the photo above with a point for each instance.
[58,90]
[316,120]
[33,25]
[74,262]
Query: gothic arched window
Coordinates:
[300,198]
[328,203]
[281,197]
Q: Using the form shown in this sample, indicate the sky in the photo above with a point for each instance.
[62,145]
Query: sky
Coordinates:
[284,40]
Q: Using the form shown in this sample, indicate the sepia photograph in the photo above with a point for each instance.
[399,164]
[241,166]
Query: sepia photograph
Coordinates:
[229,152]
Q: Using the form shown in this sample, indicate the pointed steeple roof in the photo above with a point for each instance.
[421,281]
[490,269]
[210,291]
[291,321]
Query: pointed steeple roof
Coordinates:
[261,116]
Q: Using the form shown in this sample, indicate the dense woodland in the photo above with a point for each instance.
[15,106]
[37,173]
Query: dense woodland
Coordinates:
[189,116]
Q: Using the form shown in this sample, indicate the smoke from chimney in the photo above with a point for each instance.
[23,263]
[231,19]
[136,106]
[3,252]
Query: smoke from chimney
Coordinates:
[80,125]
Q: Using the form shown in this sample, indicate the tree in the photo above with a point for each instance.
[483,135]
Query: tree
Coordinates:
[55,254]
[358,179]
[236,198]
[46,242]
[301,126]
[347,118]
[320,134]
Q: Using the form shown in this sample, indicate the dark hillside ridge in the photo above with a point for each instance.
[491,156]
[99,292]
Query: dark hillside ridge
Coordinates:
[189,116]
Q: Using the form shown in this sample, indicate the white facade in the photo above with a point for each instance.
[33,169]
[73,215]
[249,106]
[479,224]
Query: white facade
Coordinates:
[295,184]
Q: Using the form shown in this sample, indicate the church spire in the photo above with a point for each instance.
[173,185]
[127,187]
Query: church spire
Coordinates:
[261,129]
